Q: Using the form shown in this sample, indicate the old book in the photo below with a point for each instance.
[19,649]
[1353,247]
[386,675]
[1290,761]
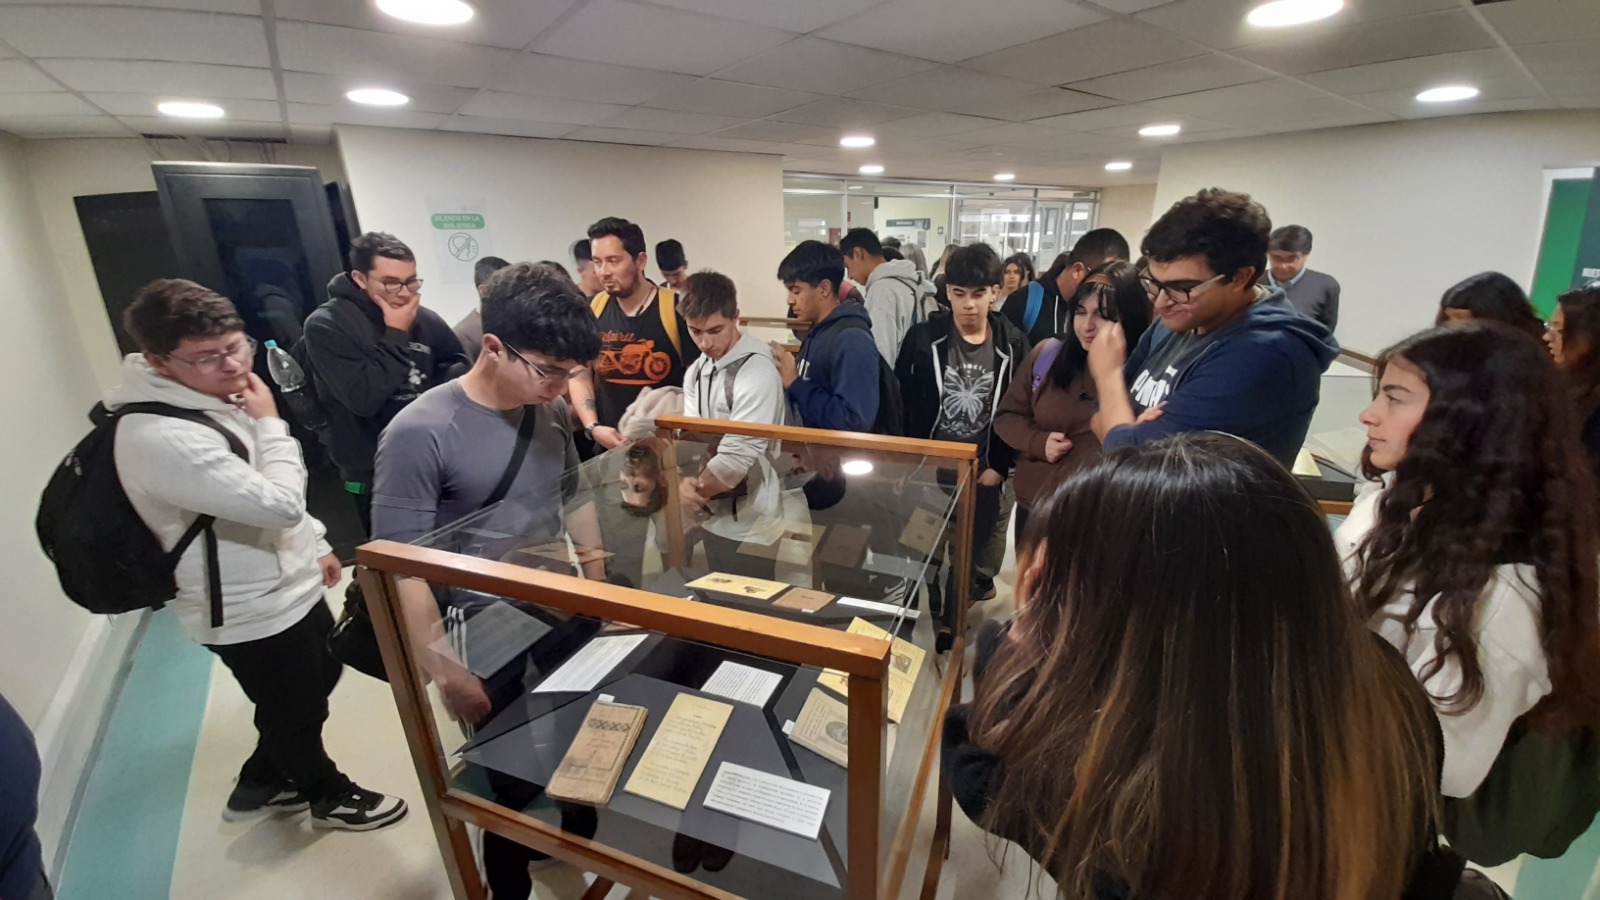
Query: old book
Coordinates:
[905,662]
[589,772]
[824,728]
[922,533]
[678,752]
[803,599]
[755,588]
[845,545]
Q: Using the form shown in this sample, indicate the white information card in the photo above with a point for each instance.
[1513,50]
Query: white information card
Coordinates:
[589,666]
[745,684]
[782,803]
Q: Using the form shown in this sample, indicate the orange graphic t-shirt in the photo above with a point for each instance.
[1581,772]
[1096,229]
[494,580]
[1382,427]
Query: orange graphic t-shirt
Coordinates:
[635,353]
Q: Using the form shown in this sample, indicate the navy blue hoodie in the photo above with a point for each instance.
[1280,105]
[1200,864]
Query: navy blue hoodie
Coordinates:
[1258,377]
[838,383]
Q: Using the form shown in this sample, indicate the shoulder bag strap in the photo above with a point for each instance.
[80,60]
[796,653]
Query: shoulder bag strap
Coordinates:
[667,305]
[530,416]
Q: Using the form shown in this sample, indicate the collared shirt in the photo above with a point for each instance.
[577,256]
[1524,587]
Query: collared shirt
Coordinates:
[1290,283]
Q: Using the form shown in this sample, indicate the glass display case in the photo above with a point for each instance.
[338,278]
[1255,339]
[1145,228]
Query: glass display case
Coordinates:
[728,696]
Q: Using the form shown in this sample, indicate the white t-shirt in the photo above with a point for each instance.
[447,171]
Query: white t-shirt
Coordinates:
[1515,676]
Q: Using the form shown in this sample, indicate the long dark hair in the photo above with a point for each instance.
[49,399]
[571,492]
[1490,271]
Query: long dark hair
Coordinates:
[1580,336]
[1495,297]
[1492,475]
[1024,264]
[1125,301]
[1223,726]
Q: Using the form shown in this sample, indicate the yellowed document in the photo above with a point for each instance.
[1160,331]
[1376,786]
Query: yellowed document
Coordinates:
[678,752]
[905,662]
[589,772]
[756,588]
[824,727]
[923,531]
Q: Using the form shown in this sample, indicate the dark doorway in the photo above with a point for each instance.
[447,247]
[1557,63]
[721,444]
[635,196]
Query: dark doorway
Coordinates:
[129,247]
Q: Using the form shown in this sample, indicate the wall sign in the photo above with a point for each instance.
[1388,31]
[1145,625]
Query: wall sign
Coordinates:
[923,224]
[460,236]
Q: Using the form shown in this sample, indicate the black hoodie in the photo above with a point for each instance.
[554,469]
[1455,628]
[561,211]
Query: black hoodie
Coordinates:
[364,377]
[925,355]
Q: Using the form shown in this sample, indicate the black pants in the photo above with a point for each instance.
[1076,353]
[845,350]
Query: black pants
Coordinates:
[288,677]
[722,555]
[985,520]
[364,509]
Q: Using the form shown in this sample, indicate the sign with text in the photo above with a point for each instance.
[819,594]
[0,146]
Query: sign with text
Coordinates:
[460,236]
[923,224]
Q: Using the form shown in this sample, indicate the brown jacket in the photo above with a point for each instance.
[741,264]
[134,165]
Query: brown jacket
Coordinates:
[1025,419]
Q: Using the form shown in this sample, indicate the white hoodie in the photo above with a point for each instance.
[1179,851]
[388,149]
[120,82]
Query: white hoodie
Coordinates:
[758,397]
[267,544]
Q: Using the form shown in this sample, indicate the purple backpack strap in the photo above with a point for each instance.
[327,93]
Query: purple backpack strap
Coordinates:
[1042,363]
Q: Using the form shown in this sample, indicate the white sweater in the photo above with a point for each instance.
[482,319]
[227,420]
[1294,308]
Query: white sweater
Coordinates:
[757,398]
[1515,676]
[267,544]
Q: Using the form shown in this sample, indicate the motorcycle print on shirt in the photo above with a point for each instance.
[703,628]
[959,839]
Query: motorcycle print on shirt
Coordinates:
[626,359]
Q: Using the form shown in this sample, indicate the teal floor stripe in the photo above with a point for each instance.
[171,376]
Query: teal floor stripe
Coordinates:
[1564,878]
[126,837]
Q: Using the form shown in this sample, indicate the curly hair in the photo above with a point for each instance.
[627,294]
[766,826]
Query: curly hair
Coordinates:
[1492,475]
[1581,334]
[536,307]
[1229,229]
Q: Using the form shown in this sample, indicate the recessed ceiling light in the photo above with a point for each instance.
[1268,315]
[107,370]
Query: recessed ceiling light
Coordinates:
[1448,94]
[428,12]
[1006,176]
[1281,13]
[855,187]
[856,467]
[1160,130]
[857,141]
[1120,166]
[186,109]
[872,170]
[377,97]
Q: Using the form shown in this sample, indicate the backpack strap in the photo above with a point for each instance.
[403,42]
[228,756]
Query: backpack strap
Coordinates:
[598,304]
[667,305]
[728,375]
[530,417]
[201,524]
[1048,351]
[1030,315]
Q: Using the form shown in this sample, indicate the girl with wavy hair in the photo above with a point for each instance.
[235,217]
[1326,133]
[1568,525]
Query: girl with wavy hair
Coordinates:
[1473,550]
[1573,337]
[1186,704]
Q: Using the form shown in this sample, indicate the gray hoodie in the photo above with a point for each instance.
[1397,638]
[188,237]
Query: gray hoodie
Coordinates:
[758,397]
[892,295]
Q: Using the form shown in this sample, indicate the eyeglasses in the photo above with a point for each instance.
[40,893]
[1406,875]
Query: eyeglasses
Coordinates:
[546,377]
[395,287]
[1183,296]
[211,363]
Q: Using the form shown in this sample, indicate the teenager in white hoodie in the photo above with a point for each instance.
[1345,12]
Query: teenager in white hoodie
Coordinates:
[737,496]
[1473,546]
[272,556]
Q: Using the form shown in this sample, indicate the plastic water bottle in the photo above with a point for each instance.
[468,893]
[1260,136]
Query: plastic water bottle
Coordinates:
[291,382]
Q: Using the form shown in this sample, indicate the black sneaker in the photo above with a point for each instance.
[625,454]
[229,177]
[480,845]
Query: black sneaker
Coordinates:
[357,809]
[254,801]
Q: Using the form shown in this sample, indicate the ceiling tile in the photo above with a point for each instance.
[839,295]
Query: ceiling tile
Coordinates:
[651,37]
[1346,120]
[18,76]
[495,104]
[1403,101]
[776,132]
[1424,35]
[1192,126]
[1542,21]
[1104,49]
[823,67]
[937,125]
[43,127]
[1112,117]
[1127,7]
[845,114]
[190,79]
[1484,107]
[1062,140]
[717,142]
[953,30]
[92,32]
[498,23]
[206,128]
[350,114]
[1221,23]
[1216,103]
[510,127]
[640,119]
[621,136]
[1182,77]
[945,88]
[378,56]
[729,98]
[1310,109]
[1580,101]
[1417,73]
[241,7]
[1012,132]
[145,105]
[1037,105]
[792,15]
[576,79]
[329,90]
[310,134]
[1565,68]
[52,103]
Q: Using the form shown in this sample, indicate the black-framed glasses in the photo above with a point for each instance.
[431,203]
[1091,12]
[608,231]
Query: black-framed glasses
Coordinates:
[394,287]
[211,363]
[546,377]
[1179,293]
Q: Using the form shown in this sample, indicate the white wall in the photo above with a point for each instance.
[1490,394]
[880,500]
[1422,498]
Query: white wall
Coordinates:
[936,211]
[64,169]
[541,195]
[1400,211]
[1129,209]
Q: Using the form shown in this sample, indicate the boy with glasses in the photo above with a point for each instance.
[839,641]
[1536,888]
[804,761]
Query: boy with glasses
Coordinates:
[272,560]
[1226,354]
[373,350]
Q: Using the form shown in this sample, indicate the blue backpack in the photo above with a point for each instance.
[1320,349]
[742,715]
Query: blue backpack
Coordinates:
[1035,306]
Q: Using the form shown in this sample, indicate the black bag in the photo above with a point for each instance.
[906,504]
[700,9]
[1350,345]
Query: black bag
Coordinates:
[305,405]
[1540,795]
[107,558]
[353,641]
[891,419]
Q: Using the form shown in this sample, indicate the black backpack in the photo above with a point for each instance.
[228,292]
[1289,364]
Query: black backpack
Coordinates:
[891,418]
[305,405]
[108,559]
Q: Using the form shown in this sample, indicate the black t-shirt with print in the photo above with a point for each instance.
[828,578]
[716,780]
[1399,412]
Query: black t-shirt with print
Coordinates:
[966,402]
[636,353]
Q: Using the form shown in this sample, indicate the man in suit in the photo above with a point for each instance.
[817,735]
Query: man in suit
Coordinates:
[1314,294]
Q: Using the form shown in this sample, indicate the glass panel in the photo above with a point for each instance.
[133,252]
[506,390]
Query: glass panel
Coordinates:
[998,192]
[1050,232]
[1335,435]
[1005,225]
[903,189]
[264,261]
[866,529]
[812,184]
[1082,219]
[917,221]
[812,217]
